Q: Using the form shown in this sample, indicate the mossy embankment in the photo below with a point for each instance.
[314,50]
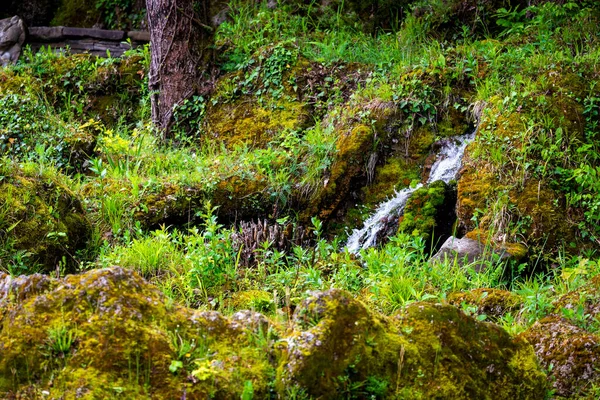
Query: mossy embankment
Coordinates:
[43,223]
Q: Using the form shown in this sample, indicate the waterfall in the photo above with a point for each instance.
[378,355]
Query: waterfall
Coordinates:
[445,168]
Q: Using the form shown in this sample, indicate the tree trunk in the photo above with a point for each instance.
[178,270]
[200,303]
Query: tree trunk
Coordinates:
[181,56]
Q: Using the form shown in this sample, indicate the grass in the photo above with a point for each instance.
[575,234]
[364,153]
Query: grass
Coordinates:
[196,261]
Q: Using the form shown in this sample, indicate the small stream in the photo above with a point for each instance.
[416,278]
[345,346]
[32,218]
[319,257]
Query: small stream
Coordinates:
[445,168]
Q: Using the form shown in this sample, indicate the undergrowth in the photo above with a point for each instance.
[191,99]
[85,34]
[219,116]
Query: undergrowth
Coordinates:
[526,86]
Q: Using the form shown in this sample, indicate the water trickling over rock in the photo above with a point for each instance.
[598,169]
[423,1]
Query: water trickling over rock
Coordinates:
[445,168]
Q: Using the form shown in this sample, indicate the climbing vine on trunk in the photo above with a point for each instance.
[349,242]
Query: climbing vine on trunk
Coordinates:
[181,56]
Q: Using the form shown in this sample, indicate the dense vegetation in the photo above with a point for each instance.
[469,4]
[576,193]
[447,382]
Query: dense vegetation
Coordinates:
[319,114]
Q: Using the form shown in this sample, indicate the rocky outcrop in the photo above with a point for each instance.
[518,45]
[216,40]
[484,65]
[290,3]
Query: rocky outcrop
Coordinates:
[566,342]
[12,37]
[571,354]
[87,334]
[108,330]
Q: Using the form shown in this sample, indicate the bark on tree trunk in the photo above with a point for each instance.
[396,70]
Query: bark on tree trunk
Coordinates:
[181,57]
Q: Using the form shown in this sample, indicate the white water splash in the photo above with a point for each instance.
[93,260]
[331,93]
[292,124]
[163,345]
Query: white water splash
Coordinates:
[445,169]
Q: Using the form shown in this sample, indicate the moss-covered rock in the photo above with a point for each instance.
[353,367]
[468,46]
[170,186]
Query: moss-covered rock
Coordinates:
[359,126]
[258,300]
[587,297]
[491,302]
[513,181]
[234,196]
[430,211]
[259,102]
[43,222]
[247,121]
[426,351]
[573,353]
[108,334]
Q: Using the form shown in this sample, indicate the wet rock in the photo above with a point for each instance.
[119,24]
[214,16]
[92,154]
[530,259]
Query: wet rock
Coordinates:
[429,211]
[12,37]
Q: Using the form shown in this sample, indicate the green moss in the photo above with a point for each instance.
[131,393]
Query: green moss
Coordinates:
[41,218]
[420,143]
[258,300]
[237,196]
[489,301]
[356,143]
[572,352]
[425,210]
[423,352]
[247,121]
[169,203]
[394,175]
[126,341]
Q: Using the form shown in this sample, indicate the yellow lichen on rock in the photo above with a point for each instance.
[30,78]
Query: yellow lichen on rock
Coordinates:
[42,218]
[423,352]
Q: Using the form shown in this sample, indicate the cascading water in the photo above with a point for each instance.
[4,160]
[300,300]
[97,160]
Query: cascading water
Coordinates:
[445,169]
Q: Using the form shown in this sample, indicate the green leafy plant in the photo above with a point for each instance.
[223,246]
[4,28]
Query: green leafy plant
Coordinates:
[61,338]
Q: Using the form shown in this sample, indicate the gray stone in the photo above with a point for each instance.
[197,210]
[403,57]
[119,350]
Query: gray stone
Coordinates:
[46,33]
[93,33]
[139,36]
[469,252]
[12,37]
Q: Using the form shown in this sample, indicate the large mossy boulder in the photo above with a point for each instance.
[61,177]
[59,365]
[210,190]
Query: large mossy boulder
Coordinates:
[569,352]
[42,222]
[109,334]
[567,342]
[491,302]
[426,351]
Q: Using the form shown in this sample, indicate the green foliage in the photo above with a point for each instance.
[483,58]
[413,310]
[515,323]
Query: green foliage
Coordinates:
[120,14]
[326,99]
[188,116]
[60,339]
